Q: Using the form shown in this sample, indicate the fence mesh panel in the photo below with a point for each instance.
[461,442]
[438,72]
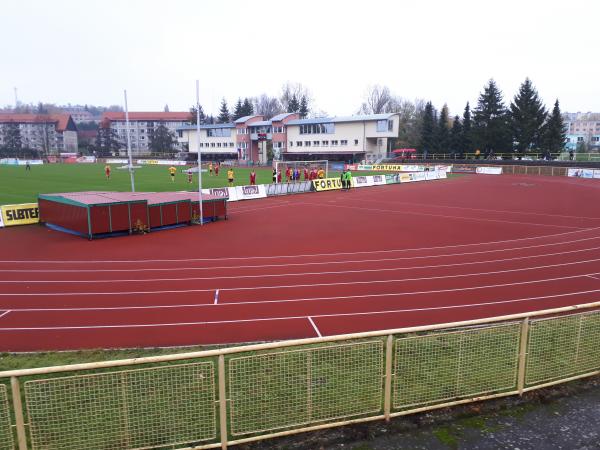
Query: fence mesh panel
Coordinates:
[287,389]
[446,366]
[144,408]
[561,347]
[6,435]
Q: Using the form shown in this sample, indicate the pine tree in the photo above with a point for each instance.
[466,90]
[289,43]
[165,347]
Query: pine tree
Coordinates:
[555,134]
[456,137]
[467,133]
[194,115]
[293,106]
[238,111]
[491,127]
[527,117]
[443,131]
[223,113]
[162,140]
[107,142]
[11,134]
[247,108]
[428,141]
[303,111]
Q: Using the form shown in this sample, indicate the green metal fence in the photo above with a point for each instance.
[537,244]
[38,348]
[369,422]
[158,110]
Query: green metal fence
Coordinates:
[233,395]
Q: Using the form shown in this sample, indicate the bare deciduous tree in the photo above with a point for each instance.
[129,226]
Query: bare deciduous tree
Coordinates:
[377,100]
[294,90]
[267,106]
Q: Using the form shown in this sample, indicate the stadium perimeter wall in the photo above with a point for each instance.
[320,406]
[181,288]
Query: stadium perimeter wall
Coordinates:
[219,398]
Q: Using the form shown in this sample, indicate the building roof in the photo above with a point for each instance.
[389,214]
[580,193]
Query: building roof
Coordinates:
[362,118]
[61,120]
[148,115]
[260,123]
[207,126]
[247,118]
[280,117]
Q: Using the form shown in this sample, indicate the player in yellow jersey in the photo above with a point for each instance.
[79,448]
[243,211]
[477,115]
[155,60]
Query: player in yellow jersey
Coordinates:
[172,171]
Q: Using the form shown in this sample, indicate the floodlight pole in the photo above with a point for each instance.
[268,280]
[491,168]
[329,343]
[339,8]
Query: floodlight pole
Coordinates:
[198,148]
[127,131]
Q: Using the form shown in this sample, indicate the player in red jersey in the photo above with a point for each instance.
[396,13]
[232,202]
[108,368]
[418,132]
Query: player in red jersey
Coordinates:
[253,177]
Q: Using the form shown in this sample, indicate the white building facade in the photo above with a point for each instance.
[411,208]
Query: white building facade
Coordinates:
[355,138]
[49,134]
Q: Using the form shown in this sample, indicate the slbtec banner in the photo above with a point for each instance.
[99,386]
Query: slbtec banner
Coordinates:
[327,184]
[19,214]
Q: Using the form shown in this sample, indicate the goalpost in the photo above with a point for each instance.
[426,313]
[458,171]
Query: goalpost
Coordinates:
[282,166]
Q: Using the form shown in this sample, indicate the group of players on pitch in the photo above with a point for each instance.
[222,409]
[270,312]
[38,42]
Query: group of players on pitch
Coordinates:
[293,175]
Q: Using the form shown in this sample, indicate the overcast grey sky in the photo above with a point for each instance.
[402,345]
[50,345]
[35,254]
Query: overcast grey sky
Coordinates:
[74,51]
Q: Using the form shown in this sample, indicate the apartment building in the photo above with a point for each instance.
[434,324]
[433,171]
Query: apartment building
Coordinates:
[141,125]
[49,134]
[582,128]
[353,138]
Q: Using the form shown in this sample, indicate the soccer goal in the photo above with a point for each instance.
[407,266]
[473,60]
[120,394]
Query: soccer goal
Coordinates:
[282,166]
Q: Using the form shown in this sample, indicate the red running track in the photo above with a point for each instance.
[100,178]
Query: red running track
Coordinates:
[309,265]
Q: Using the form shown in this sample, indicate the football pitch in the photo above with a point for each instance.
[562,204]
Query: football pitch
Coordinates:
[18,185]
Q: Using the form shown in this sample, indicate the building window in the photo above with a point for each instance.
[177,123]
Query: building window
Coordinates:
[218,144]
[344,142]
[315,143]
[212,144]
[291,143]
[595,138]
[325,143]
[298,143]
[307,143]
[390,125]
[579,139]
[381,125]
[355,141]
[334,143]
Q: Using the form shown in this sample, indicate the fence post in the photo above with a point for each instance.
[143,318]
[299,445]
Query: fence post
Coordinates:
[387,393]
[523,355]
[18,408]
[222,402]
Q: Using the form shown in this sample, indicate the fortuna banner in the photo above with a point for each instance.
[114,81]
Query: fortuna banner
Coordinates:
[327,184]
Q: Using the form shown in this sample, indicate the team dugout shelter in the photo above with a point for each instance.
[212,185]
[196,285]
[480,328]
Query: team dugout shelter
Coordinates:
[100,214]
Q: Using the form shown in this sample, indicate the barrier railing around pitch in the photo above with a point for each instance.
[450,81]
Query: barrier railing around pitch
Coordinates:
[229,396]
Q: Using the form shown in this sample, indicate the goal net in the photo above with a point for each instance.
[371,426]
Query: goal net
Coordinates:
[312,167]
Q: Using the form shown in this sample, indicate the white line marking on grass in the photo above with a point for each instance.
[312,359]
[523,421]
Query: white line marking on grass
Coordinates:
[216,296]
[476,219]
[363,313]
[306,299]
[296,274]
[289,286]
[4,313]
[127,261]
[317,263]
[314,326]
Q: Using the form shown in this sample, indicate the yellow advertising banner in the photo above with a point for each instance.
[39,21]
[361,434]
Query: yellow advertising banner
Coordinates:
[327,184]
[22,214]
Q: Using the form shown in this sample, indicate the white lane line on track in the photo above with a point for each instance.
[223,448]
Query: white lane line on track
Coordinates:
[293,274]
[369,199]
[444,216]
[314,326]
[4,313]
[595,278]
[266,319]
[216,296]
[370,252]
[288,286]
[409,258]
[296,300]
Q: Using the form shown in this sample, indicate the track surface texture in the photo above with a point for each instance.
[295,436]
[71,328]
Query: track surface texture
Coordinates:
[309,265]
